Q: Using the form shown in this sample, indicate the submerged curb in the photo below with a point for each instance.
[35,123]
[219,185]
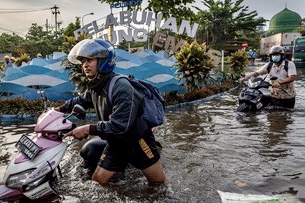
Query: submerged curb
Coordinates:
[198,101]
[11,118]
[17,118]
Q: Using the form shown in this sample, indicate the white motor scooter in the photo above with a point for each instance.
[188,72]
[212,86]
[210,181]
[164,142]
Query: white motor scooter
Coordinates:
[32,172]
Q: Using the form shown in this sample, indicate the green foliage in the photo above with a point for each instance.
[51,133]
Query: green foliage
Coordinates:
[193,65]
[69,31]
[21,106]
[237,64]
[133,44]
[175,8]
[173,98]
[225,21]
[23,58]
[37,41]
[36,32]
[301,30]
[10,43]
[76,74]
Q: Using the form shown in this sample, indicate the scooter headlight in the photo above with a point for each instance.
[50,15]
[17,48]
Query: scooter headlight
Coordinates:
[253,84]
[35,183]
[17,180]
[256,100]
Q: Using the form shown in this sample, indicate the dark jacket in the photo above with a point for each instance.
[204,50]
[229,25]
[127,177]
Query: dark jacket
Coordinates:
[117,120]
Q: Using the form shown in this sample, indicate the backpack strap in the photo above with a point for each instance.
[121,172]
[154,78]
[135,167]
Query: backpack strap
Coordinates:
[270,64]
[286,65]
[111,84]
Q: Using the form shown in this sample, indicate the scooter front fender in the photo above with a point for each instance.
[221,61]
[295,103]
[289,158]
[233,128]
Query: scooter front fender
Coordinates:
[9,194]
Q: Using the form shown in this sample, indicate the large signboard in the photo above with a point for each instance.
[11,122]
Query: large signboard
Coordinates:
[122,4]
[136,32]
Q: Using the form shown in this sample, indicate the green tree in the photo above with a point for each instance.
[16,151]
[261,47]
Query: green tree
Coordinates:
[69,30]
[36,32]
[225,21]
[10,44]
[40,41]
[177,8]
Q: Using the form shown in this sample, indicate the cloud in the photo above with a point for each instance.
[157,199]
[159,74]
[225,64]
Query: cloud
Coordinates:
[70,9]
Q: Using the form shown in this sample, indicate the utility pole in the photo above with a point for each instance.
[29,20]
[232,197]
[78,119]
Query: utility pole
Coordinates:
[47,25]
[55,12]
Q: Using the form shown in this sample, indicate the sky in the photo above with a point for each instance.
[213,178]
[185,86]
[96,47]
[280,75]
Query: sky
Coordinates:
[40,12]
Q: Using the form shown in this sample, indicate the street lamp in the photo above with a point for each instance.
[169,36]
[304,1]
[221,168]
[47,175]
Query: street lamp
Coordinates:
[84,16]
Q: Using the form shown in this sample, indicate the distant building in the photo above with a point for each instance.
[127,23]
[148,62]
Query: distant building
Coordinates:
[285,21]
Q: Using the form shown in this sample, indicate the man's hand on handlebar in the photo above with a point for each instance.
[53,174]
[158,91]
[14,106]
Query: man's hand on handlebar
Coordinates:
[276,84]
[79,133]
[241,80]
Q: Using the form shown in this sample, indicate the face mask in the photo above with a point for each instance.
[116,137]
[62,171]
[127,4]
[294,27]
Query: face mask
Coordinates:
[276,58]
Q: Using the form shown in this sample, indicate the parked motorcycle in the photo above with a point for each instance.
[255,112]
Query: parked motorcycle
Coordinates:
[256,95]
[32,171]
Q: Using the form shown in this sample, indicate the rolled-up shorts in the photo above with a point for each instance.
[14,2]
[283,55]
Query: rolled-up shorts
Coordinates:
[141,153]
[286,103]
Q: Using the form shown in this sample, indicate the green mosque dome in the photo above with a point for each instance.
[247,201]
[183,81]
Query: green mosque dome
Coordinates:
[285,21]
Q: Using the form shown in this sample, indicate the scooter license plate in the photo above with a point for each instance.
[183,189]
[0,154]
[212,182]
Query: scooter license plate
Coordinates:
[27,147]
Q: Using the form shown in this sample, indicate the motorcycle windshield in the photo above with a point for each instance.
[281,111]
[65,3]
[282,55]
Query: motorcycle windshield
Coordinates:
[47,118]
[250,92]
[254,82]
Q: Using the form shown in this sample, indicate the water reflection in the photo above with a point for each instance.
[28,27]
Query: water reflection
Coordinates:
[207,147]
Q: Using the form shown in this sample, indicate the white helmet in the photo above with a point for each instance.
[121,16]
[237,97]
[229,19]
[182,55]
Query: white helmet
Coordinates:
[94,48]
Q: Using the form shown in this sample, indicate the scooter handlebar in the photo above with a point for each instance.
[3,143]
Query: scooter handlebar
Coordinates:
[62,133]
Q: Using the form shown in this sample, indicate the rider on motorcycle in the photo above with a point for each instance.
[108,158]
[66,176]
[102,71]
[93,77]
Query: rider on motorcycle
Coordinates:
[283,91]
[128,140]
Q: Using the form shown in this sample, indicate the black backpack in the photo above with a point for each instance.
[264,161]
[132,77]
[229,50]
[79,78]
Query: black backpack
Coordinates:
[285,66]
[154,105]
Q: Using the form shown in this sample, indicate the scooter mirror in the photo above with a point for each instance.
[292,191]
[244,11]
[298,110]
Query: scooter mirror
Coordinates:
[273,78]
[79,112]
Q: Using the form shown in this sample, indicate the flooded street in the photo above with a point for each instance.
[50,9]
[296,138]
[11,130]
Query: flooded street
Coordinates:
[206,147]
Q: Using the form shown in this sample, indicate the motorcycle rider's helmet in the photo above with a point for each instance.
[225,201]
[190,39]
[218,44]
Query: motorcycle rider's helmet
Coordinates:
[94,48]
[276,50]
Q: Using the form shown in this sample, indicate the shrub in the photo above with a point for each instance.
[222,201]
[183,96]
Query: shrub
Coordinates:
[23,58]
[172,98]
[193,65]
[21,106]
[237,64]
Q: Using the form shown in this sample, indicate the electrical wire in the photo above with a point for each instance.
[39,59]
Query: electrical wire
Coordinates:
[5,11]
[19,33]
[18,11]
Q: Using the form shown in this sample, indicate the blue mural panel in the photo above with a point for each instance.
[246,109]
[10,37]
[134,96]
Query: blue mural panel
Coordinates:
[49,75]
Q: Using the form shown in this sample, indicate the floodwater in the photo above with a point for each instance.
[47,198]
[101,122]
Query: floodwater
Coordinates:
[206,147]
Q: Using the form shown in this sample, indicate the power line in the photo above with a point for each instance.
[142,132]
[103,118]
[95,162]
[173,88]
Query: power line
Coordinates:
[55,11]
[5,11]
[2,28]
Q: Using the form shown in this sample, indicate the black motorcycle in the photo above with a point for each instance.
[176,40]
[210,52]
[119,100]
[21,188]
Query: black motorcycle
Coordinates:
[256,95]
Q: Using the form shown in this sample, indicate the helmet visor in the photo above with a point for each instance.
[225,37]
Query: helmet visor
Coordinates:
[87,49]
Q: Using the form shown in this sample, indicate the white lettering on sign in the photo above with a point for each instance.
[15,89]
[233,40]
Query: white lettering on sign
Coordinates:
[139,34]
[167,42]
